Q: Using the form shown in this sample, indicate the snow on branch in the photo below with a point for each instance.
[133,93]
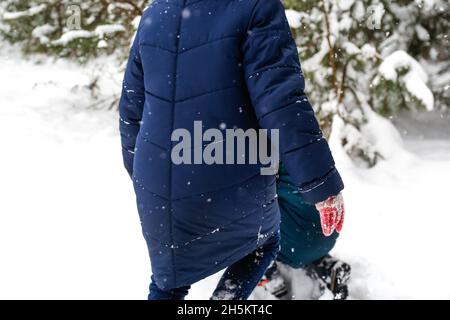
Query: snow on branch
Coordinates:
[72,35]
[294,18]
[99,32]
[42,32]
[26,13]
[415,78]
[108,29]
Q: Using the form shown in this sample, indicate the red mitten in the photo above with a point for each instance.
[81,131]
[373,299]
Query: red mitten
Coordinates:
[332,214]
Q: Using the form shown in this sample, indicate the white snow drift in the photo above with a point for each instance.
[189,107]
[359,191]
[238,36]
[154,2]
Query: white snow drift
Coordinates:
[68,222]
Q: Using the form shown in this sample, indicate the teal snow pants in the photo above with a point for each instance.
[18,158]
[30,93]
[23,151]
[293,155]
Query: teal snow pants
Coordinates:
[302,240]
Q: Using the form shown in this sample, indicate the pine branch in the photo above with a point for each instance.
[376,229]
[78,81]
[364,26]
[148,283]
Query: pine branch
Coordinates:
[342,87]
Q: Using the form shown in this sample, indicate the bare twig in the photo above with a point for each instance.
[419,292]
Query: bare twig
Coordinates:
[331,52]
[137,10]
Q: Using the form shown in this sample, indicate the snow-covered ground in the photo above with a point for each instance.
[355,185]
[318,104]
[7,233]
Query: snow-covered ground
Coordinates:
[69,227]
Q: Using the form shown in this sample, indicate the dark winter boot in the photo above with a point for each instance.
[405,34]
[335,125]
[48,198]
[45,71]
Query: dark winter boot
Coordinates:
[274,283]
[331,273]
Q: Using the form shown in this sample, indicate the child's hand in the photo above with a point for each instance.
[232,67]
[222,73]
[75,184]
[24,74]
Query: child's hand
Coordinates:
[332,214]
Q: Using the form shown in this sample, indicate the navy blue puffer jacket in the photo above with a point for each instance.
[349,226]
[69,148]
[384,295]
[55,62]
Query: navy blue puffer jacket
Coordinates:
[230,62]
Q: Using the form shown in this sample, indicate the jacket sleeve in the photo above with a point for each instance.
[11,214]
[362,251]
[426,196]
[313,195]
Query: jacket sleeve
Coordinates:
[131,105]
[276,86]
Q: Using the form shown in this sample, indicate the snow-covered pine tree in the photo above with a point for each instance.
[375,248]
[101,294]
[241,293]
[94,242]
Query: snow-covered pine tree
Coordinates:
[416,56]
[71,28]
[337,61]
[361,56]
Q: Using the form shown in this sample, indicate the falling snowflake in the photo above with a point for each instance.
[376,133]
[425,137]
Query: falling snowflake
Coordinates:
[186,13]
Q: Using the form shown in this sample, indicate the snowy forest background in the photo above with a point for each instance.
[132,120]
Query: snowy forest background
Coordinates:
[378,74]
